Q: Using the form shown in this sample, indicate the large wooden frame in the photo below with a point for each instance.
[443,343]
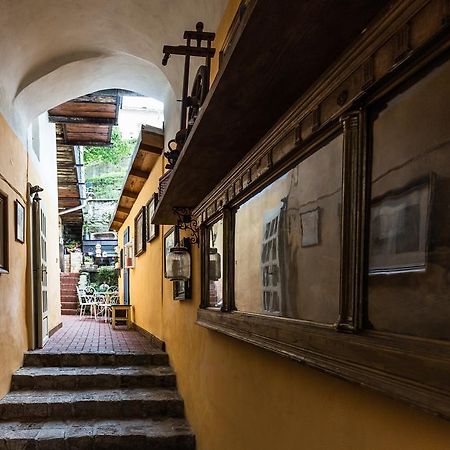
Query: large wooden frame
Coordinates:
[4,268]
[412,369]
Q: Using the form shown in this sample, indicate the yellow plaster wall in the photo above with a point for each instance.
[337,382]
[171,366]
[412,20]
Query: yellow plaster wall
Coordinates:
[16,169]
[13,331]
[146,279]
[239,397]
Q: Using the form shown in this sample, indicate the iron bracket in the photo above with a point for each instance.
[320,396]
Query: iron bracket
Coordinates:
[186,222]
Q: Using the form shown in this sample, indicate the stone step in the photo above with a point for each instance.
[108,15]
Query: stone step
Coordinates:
[69,290]
[68,312]
[44,359]
[136,434]
[35,378]
[69,305]
[91,404]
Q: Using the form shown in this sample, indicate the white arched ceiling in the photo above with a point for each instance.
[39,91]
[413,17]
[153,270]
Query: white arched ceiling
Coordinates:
[54,50]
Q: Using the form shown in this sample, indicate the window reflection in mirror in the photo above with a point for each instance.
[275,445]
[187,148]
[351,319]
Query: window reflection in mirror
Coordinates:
[287,242]
[409,254]
[215,264]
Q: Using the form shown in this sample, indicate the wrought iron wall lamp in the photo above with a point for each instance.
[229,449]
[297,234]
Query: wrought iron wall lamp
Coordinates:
[186,222]
[190,105]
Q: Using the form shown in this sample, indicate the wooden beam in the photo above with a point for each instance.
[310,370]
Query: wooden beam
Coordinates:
[124,210]
[89,143]
[88,120]
[129,194]
[139,173]
[150,148]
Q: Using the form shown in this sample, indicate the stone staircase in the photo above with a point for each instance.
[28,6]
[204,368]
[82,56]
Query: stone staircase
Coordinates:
[94,401]
[69,297]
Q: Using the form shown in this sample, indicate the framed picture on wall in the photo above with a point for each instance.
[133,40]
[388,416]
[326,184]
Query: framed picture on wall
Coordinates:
[399,228]
[139,233]
[19,213]
[152,230]
[310,227]
[3,233]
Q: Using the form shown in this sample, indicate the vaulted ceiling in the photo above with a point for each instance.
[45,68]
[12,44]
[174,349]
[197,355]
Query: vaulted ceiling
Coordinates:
[52,51]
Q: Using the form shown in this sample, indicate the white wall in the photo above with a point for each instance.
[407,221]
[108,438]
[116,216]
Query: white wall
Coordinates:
[43,171]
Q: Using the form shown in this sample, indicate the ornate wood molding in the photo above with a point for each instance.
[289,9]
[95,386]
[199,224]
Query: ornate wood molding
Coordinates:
[385,46]
[362,359]
[352,230]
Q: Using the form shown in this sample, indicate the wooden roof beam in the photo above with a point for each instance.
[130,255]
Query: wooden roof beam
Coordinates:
[129,194]
[139,173]
[87,120]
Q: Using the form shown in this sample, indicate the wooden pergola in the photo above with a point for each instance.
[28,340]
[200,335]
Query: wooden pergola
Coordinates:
[84,121]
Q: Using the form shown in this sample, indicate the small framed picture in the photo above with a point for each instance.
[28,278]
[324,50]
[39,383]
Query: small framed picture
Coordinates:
[310,223]
[19,221]
[152,230]
[139,232]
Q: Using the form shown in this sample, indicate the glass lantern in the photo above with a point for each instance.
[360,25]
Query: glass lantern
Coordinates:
[215,265]
[178,264]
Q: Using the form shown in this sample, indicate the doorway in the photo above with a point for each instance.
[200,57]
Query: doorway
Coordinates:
[40,294]
[126,271]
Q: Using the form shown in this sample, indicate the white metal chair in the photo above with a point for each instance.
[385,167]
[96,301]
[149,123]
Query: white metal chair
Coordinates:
[104,302]
[87,301]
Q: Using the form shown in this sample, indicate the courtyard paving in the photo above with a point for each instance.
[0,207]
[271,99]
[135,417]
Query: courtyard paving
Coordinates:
[87,335]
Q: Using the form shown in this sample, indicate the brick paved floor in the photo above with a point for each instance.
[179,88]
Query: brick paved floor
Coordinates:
[90,336]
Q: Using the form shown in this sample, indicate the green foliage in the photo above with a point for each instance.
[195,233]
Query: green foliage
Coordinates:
[107,275]
[120,149]
[107,185]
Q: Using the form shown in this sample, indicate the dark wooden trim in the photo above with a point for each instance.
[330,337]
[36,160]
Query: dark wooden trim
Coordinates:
[139,173]
[139,251]
[130,194]
[228,261]
[5,268]
[88,143]
[416,370]
[150,148]
[158,343]
[355,68]
[204,248]
[373,360]
[54,329]
[84,120]
[153,199]
[353,223]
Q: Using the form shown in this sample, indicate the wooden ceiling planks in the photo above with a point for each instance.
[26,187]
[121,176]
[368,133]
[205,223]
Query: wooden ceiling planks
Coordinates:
[87,120]
[149,147]
[84,121]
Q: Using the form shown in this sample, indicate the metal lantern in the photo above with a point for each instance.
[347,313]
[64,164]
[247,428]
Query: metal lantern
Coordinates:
[215,266]
[178,264]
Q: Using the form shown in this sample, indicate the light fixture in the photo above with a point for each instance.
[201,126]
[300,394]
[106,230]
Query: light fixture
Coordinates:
[215,269]
[178,264]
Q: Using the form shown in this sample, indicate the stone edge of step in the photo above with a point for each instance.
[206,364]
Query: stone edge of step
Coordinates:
[48,359]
